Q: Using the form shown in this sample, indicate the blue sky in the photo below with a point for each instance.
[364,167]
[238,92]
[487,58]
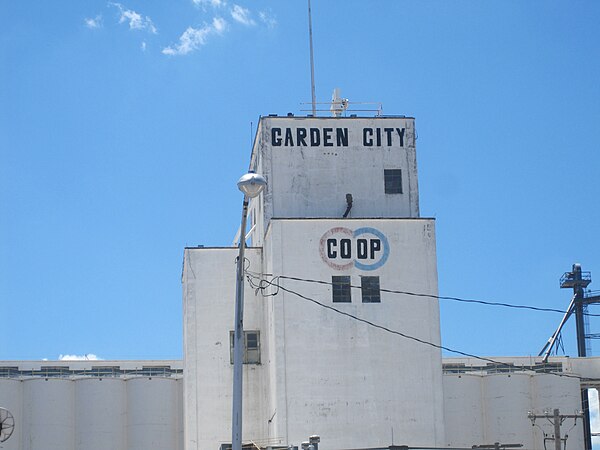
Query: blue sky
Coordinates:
[124,127]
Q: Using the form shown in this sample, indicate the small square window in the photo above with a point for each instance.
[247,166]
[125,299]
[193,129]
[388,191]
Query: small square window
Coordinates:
[251,347]
[370,289]
[341,289]
[393,181]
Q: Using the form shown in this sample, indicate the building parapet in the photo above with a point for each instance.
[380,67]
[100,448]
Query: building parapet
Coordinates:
[95,368]
[490,368]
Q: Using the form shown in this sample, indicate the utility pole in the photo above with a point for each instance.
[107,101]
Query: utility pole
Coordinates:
[579,280]
[556,419]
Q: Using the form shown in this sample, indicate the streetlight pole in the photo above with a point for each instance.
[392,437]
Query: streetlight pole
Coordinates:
[251,185]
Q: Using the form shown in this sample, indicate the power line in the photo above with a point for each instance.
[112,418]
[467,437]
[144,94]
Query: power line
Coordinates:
[556,419]
[441,297]
[264,284]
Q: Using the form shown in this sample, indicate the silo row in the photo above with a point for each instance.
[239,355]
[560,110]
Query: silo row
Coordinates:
[94,413]
[481,409]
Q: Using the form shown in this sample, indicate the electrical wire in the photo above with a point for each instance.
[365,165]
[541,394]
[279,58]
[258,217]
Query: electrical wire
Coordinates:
[567,433]
[264,284]
[544,435]
[441,297]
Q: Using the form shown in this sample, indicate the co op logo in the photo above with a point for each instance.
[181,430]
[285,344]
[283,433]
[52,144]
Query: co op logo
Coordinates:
[365,248]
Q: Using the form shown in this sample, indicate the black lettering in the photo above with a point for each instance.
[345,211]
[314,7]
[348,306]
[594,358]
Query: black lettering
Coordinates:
[342,136]
[368,141]
[375,247]
[388,134]
[301,136]
[275,137]
[401,134]
[327,137]
[378,137]
[345,249]
[315,137]
[289,141]
[361,249]
[331,244]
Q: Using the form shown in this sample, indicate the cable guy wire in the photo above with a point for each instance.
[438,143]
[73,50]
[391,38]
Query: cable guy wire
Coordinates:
[275,282]
[441,297]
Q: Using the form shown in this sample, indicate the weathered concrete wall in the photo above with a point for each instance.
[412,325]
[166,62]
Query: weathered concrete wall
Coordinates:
[354,384]
[321,372]
[311,177]
[487,408]
[208,305]
[94,413]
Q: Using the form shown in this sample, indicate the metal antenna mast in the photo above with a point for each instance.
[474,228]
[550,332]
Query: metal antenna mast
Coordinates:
[312,64]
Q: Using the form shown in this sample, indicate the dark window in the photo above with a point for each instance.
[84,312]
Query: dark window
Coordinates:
[393,181]
[370,289]
[251,347]
[251,341]
[341,289]
[54,371]
[105,371]
[252,350]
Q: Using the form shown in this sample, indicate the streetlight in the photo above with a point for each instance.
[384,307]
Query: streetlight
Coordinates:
[251,185]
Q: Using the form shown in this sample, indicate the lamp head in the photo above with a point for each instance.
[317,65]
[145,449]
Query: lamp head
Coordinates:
[251,184]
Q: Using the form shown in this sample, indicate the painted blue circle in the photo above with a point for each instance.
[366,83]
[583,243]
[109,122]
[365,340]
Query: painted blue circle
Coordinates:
[386,248]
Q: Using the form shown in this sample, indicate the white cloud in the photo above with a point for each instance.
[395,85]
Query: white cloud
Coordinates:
[242,15]
[136,21]
[193,38]
[213,3]
[219,25]
[190,40]
[96,22]
[143,46]
[267,18]
[88,357]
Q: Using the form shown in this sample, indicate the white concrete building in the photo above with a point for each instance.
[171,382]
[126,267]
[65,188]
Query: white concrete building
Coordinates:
[335,345]
[331,349]
[319,371]
[120,405]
